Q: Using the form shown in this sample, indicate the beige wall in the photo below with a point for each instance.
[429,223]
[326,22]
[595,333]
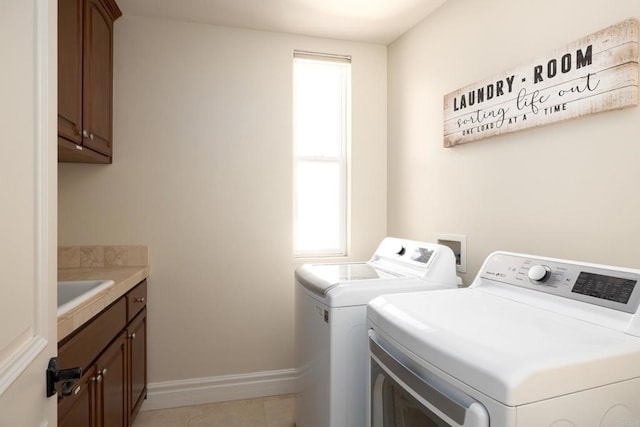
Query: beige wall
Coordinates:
[202,173]
[566,190]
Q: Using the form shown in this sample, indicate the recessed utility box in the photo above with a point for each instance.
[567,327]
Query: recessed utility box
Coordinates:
[458,244]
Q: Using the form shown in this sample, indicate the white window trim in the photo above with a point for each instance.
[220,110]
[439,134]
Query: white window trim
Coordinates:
[343,161]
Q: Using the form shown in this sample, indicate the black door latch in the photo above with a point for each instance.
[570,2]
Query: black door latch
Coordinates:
[54,375]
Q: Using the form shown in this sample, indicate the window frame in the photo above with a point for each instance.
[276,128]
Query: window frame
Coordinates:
[342,159]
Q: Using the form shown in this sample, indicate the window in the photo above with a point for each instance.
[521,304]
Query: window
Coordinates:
[322,127]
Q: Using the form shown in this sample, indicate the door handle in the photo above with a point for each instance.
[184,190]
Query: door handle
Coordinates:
[54,375]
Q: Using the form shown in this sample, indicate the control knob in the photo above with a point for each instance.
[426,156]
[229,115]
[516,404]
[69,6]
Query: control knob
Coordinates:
[539,273]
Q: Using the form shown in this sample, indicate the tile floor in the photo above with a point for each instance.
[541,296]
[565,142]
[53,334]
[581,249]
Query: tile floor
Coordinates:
[273,411]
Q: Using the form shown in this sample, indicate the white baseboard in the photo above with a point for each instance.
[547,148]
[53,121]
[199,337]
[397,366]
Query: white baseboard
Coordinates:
[198,391]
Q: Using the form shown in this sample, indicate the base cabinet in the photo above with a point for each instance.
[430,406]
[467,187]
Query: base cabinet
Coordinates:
[78,409]
[113,356]
[137,330]
[111,383]
[99,398]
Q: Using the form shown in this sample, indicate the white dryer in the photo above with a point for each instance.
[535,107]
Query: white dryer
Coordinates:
[533,342]
[330,324]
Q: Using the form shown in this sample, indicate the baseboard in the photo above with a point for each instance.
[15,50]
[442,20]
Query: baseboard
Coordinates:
[198,391]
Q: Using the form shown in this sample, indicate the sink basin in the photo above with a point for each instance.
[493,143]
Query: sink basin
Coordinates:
[73,293]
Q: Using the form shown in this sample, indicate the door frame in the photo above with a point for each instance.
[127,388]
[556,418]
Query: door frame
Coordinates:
[24,357]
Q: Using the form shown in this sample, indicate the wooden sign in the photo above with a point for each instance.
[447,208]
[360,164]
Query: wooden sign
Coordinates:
[594,74]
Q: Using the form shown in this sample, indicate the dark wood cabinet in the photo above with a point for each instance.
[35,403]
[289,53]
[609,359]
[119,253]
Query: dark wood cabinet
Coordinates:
[112,352]
[70,70]
[112,384]
[78,409]
[136,300]
[137,331]
[85,79]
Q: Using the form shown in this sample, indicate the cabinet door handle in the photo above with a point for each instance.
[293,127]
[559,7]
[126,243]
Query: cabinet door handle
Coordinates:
[141,299]
[132,336]
[85,133]
[101,375]
[91,136]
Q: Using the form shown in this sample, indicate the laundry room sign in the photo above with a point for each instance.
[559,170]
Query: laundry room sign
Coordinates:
[596,73]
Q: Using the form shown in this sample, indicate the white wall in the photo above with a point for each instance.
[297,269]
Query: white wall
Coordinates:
[202,172]
[567,190]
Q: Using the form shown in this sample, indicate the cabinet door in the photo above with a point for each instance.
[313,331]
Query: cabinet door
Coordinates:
[112,380]
[137,363]
[70,70]
[98,77]
[79,408]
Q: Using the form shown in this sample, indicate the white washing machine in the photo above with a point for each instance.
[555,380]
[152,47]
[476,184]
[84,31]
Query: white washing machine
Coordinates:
[331,335]
[533,342]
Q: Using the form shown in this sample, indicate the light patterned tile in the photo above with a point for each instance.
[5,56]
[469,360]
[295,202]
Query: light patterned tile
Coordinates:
[138,255]
[68,257]
[174,417]
[274,411]
[279,410]
[92,257]
[115,256]
[239,413]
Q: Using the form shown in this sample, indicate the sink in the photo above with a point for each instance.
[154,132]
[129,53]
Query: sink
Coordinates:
[75,292]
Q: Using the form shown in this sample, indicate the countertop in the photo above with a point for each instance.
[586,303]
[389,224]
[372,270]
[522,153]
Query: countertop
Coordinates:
[99,263]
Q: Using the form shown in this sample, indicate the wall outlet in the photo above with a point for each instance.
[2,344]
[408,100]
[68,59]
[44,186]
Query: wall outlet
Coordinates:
[458,244]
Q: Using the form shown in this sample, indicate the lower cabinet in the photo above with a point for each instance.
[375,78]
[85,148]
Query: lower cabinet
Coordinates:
[111,383]
[137,331]
[99,398]
[113,356]
[78,409]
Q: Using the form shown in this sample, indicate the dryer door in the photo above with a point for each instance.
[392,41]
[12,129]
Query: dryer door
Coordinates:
[401,398]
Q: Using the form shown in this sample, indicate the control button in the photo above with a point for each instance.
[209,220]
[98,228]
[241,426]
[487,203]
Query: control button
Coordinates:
[539,273]
[401,250]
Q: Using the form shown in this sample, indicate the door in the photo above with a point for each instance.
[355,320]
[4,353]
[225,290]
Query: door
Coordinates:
[112,383]
[400,397]
[137,362]
[98,78]
[28,166]
[70,70]
[79,408]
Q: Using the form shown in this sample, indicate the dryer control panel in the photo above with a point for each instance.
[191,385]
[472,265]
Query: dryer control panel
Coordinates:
[611,287]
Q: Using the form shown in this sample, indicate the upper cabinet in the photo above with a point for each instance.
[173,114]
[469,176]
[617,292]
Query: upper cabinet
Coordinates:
[85,80]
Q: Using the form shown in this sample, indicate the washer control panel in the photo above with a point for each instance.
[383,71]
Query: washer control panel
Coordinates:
[406,251]
[601,285]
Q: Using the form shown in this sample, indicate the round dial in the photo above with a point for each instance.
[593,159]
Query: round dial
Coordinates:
[539,273]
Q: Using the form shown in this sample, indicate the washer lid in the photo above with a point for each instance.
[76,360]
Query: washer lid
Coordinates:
[321,278]
[511,351]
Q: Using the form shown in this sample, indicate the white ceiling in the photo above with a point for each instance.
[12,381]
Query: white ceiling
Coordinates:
[373,21]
